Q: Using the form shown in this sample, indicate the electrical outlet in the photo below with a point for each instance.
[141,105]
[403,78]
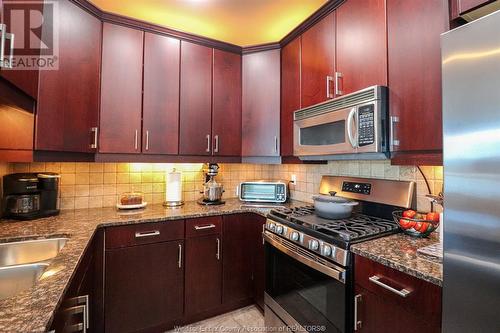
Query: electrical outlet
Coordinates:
[293,180]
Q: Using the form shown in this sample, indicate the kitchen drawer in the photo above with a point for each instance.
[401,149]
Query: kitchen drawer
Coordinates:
[203,226]
[421,295]
[145,233]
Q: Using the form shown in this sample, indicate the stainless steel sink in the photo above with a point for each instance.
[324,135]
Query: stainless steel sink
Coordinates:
[30,251]
[14,279]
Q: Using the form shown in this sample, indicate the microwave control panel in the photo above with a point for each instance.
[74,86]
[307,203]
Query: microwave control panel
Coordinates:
[366,128]
[362,188]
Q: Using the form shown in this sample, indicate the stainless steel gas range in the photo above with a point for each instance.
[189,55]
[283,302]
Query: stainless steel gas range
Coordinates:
[309,268]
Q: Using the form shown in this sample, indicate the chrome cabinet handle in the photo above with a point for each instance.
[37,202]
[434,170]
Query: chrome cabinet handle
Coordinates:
[208,143]
[11,55]
[338,76]
[217,255]
[203,227]
[94,130]
[393,141]
[350,119]
[357,323]
[3,29]
[329,80]
[275,144]
[376,279]
[179,258]
[74,310]
[147,140]
[216,148]
[79,301]
[136,144]
[147,234]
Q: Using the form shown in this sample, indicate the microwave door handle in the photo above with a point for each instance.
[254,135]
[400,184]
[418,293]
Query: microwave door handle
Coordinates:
[353,140]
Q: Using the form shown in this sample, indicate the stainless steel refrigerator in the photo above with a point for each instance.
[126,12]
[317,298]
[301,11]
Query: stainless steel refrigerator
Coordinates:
[471,123]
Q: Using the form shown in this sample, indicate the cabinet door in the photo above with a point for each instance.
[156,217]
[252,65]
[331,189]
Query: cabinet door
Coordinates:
[121,90]
[318,61]
[415,73]
[196,100]
[237,260]
[361,45]
[466,5]
[25,48]
[68,109]
[290,93]
[203,274]
[261,104]
[160,133]
[259,260]
[144,286]
[226,110]
[376,314]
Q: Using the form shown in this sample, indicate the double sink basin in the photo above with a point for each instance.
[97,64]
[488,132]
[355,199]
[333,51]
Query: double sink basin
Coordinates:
[23,263]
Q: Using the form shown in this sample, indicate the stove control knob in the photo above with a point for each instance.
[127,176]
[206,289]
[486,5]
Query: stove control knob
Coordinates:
[272,226]
[279,229]
[327,250]
[295,236]
[314,245]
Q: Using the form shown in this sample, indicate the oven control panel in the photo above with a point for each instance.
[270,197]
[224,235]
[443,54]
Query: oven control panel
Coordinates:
[366,127]
[353,187]
[313,244]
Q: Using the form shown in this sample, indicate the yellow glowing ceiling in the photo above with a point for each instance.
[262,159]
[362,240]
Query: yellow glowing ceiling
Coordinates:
[240,22]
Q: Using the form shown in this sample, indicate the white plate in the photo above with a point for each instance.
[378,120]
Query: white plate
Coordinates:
[142,205]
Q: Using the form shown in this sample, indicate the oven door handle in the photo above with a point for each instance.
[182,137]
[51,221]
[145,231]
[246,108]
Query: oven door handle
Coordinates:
[287,248]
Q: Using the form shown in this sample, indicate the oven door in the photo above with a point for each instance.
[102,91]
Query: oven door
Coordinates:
[326,134]
[306,292]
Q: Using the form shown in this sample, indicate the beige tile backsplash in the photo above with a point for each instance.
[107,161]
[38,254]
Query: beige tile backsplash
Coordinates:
[89,185]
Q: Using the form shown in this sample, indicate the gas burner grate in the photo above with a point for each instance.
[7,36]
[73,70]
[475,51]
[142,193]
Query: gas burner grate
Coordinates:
[358,226]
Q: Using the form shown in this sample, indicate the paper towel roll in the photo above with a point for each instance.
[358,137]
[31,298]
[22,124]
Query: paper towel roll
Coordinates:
[173,187]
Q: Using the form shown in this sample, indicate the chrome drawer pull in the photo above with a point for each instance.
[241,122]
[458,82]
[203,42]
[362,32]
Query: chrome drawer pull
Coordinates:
[147,234]
[376,279]
[203,227]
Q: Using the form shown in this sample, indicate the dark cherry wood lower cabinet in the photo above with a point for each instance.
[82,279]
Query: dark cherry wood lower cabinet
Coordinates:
[203,274]
[144,287]
[238,253]
[258,259]
[382,310]
[81,303]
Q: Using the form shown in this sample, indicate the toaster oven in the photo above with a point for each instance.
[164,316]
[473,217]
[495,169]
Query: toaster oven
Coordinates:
[263,191]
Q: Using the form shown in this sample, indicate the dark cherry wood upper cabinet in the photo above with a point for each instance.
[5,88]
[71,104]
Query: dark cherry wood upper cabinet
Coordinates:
[467,5]
[196,100]
[361,45]
[290,92]
[414,59]
[160,134]
[226,107]
[261,104]
[238,250]
[203,281]
[26,80]
[144,287]
[68,98]
[121,90]
[318,61]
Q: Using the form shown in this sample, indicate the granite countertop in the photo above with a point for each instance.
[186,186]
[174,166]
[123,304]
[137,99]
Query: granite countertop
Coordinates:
[400,252]
[32,310]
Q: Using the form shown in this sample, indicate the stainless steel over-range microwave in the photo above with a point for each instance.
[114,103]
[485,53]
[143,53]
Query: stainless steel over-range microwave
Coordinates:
[354,126]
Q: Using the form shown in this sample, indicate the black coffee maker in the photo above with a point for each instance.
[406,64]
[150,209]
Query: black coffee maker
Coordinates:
[29,196]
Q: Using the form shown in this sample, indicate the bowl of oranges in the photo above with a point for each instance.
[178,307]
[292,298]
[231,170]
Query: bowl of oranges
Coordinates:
[416,223]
